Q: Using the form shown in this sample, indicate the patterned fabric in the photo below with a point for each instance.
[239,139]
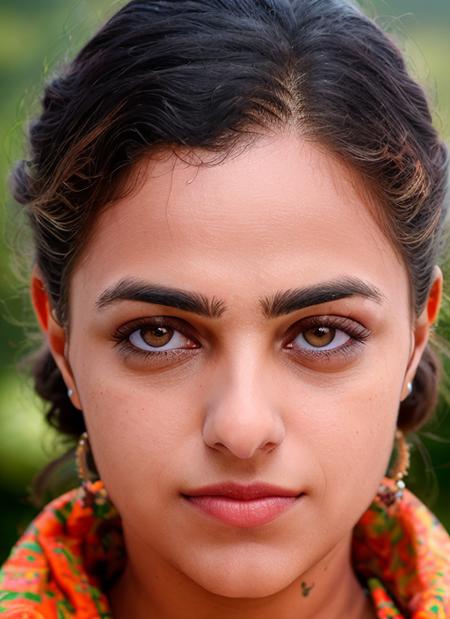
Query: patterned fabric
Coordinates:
[404,554]
[73,550]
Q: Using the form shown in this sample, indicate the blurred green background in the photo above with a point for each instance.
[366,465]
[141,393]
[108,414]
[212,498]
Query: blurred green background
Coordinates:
[35,37]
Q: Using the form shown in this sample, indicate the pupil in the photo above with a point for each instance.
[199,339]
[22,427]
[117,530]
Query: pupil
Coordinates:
[320,331]
[159,331]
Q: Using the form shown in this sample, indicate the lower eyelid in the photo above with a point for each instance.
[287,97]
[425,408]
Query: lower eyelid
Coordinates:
[349,349]
[128,350]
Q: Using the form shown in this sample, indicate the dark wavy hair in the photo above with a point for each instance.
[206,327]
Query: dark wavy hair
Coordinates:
[212,74]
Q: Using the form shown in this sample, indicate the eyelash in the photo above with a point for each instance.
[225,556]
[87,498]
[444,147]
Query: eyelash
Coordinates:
[356,332]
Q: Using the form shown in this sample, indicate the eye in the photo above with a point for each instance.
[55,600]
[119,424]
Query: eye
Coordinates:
[323,336]
[157,338]
[160,336]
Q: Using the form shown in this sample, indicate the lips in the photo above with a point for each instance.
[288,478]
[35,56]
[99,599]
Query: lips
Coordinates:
[242,505]
[242,492]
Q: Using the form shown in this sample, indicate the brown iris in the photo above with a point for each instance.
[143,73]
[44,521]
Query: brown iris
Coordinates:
[319,336]
[157,336]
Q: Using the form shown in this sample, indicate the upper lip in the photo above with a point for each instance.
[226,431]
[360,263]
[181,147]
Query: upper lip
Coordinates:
[244,492]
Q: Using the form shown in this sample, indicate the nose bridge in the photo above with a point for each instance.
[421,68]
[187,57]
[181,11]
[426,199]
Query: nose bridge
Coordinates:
[241,416]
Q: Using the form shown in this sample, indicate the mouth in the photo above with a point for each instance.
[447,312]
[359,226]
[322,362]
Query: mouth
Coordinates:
[242,506]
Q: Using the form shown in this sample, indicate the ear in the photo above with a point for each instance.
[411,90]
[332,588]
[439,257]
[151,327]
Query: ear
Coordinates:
[54,332]
[422,328]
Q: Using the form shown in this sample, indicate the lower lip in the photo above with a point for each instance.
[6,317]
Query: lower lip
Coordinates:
[243,513]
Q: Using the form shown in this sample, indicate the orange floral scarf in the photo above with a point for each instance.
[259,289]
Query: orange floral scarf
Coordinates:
[73,550]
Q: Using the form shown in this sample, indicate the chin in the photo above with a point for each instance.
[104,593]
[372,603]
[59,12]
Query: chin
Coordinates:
[240,580]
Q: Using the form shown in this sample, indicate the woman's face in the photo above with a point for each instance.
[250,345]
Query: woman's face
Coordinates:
[287,367]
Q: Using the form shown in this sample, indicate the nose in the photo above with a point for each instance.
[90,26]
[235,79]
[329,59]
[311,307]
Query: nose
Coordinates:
[241,417]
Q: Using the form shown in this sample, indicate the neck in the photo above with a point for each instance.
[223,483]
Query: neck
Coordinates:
[329,590]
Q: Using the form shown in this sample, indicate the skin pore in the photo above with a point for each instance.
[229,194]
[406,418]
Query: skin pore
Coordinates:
[302,394]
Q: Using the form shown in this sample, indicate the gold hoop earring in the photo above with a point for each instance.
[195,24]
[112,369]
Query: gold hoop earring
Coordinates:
[94,489]
[390,494]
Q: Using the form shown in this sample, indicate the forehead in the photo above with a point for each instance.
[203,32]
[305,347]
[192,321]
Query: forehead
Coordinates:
[281,213]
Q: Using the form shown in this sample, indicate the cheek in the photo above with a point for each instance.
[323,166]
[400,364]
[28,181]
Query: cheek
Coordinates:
[350,439]
[138,432]
[359,441]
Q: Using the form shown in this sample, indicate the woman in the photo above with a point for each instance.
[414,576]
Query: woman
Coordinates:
[237,210]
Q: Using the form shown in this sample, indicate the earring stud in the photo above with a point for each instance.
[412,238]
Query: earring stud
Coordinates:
[70,392]
[410,388]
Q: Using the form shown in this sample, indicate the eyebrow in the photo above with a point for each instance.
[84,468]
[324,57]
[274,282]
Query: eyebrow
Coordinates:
[131,289]
[287,301]
[279,304]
